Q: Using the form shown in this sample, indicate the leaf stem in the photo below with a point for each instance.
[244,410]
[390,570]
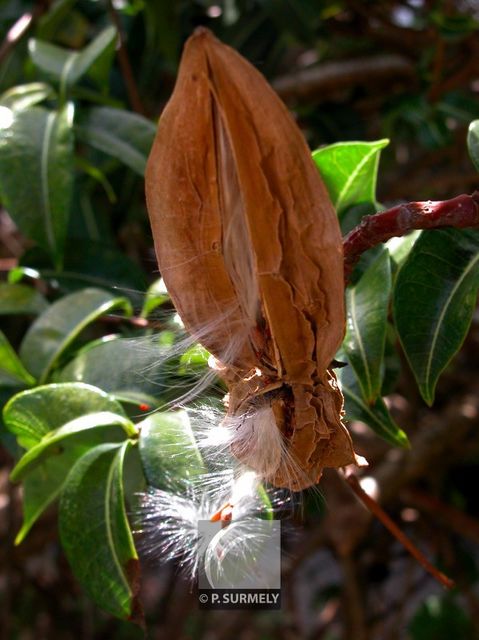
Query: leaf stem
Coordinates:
[459,212]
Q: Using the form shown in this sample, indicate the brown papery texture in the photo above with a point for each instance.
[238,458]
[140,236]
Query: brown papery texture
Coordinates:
[250,250]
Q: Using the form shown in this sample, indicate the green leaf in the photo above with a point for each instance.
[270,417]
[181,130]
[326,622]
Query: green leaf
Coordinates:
[168,450]
[52,441]
[473,142]
[349,170]
[56,328]
[90,264]
[20,299]
[376,416]
[155,296]
[196,355]
[32,414]
[11,364]
[26,95]
[125,136]
[95,533]
[129,369]
[67,67]
[400,247]
[434,299]
[43,485]
[366,321]
[36,173]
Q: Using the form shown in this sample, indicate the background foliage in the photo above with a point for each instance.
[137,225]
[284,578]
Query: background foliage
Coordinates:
[84,317]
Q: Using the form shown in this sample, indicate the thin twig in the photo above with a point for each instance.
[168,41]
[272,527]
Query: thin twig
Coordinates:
[391,526]
[135,321]
[125,66]
[459,212]
[20,28]
[16,33]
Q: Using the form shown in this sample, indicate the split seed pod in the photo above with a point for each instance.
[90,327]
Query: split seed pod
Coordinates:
[250,250]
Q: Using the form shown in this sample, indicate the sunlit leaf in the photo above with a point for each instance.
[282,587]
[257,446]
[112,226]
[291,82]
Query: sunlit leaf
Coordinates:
[26,95]
[32,414]
[53,441]
[124,135]
[168,449]
[473,142]
[43,485]
[95,533]
[36,173]
[349,170]
[56,328]
[367,311]
[434,298]
[155,296]
[375,416]
[11,364]
[128,369]
[67,67]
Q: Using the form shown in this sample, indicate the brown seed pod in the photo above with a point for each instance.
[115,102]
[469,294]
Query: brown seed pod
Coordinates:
[250,249]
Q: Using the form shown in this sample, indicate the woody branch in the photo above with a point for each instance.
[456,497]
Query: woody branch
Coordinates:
[460,212]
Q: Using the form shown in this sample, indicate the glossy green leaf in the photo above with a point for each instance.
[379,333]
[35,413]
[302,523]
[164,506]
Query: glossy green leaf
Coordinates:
[43,485]
[128,369]
[366,320]
[24,96]
[124,135]
[11,364]
[67,67]
[156,295]
[32,414]
[90,264]
[17,274]
[54,440]
[56,328]
[473,142]
[400,247]
[349,170]
[95,533]
[36,173]
[168,449]
[21,299]
[434,299]
[196,355]
[375,416]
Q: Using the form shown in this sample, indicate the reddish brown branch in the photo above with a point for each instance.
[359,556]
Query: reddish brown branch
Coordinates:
[125,66]
[459,212]
[391,526]
[19,29]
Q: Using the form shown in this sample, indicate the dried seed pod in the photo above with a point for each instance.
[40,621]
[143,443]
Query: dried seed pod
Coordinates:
[250,249]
